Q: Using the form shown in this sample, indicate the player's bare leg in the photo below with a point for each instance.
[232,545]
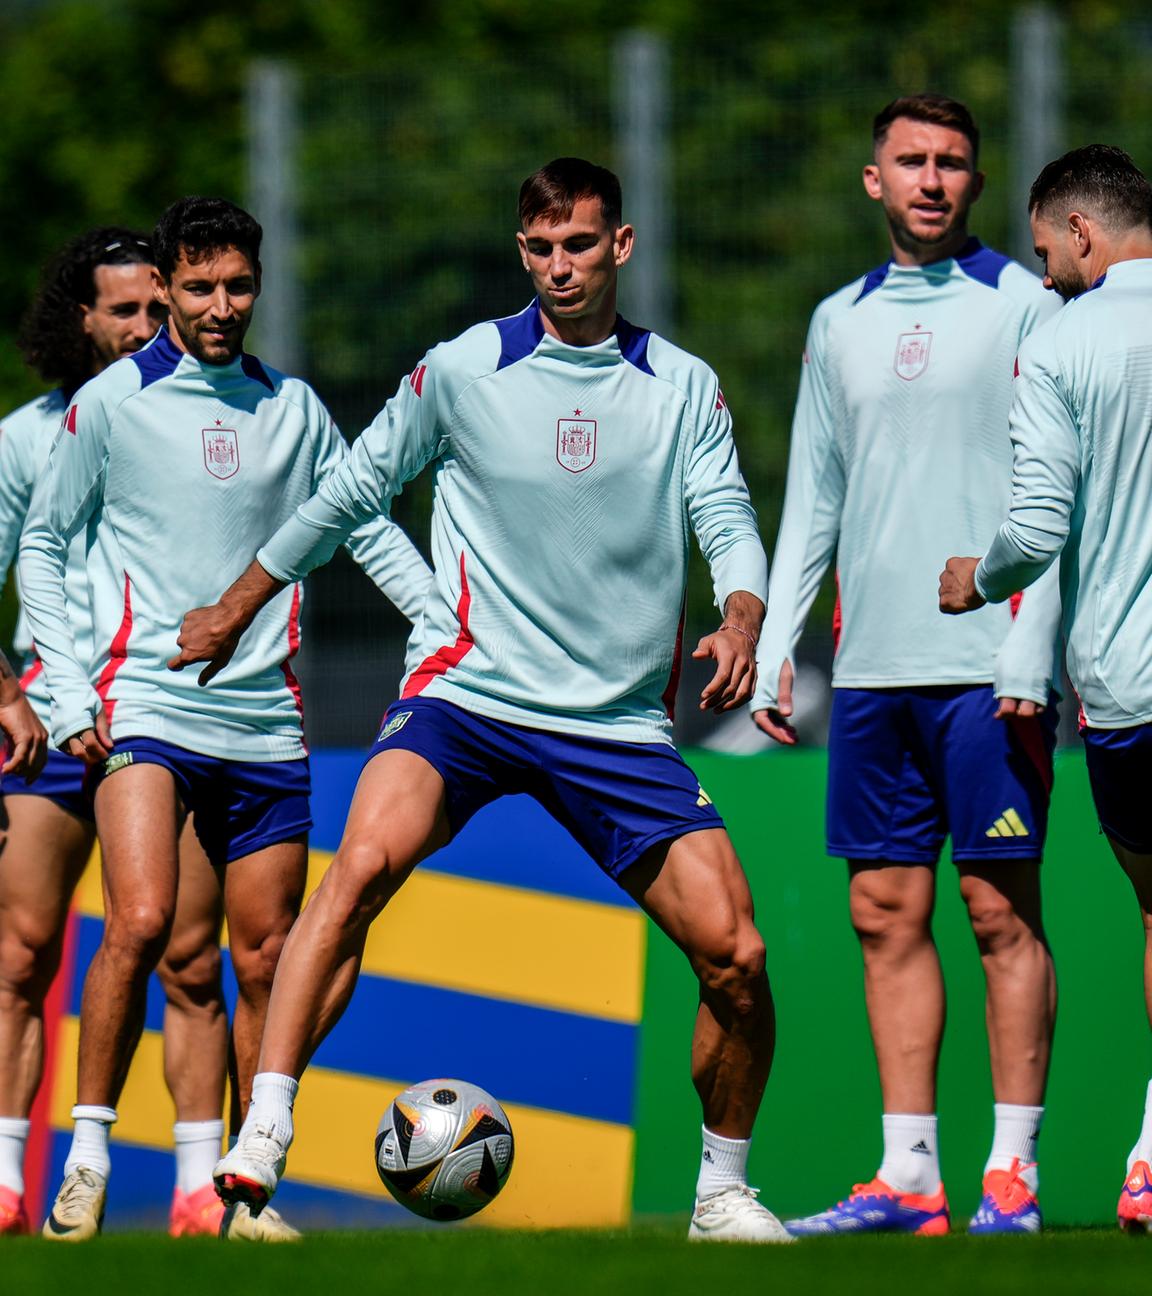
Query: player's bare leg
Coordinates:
[321,958]
[138,816]
[195,1038]
[195,1021]
[43,851]
[695,890]
[262,895]
[1003,899]
[891,908]
[1135,1207]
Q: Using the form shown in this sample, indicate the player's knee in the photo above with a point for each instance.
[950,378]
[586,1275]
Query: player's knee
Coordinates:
[733,968]
[192,977]
[28,961]
[996,924]
[138,932]
[882,921]
[360,880]
[255,964]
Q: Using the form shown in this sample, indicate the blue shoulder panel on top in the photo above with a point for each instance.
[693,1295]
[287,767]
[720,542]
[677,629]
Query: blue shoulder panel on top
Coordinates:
[981,263]
[255,370]
[872,280]
[157,360]
[634,344]
[519,335]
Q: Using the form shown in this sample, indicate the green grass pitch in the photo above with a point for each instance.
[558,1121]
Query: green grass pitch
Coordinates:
[474,1262]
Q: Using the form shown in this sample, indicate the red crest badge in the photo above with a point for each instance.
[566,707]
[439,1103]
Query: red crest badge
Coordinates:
[912,350]
[221,452]
[576,443]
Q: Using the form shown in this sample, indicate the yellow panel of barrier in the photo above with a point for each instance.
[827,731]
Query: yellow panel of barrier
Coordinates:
[502,942]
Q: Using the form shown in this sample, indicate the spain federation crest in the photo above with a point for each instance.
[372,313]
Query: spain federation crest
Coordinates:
[576,443]
[221,452]
[912,351]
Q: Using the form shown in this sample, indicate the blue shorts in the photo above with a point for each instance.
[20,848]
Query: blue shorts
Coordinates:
[1119,765]
[616,798]
[237,807]
[61,780]
[908,766]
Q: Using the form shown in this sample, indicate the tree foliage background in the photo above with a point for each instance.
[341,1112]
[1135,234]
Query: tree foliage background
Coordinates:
[418,124]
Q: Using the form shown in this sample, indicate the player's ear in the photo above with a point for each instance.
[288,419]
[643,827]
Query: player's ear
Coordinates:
[871,177]
[623,242]
[522,244]
[977,185]
[159,288]
[1080,229]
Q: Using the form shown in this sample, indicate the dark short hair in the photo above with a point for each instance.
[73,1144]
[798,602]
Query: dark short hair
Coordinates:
[936,109]
[51,335]
[200,227]
[552,192]
[1101,179]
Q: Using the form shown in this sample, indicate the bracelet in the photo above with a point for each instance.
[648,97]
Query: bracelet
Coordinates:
[728,626]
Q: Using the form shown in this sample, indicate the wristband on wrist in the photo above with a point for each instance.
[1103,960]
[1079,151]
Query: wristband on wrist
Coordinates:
[740,631]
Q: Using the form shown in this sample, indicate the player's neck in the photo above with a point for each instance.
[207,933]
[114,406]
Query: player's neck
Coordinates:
[1136,246]
[922,254]
[588,330]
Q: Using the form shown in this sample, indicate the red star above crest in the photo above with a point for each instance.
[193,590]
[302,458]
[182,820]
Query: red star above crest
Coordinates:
[577,412]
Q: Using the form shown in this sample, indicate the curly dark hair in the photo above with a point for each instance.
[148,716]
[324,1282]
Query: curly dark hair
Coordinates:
[51,337]
[201,227]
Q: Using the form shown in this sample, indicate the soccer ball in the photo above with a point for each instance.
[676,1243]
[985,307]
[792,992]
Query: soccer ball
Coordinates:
[444,1149]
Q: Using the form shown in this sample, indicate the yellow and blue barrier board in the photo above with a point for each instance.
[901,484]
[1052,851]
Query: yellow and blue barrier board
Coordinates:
[508,960]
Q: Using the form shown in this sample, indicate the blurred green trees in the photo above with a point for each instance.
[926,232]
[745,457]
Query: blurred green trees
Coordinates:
[419,122]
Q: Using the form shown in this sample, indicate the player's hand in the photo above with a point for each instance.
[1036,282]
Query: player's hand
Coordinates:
[27,739]
[775,720]
[91,745]
[735,678]
[207,634]
[1022,707]
[958,586]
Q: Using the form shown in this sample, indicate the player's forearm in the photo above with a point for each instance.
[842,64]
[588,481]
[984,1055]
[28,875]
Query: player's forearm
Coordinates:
[744,611]
[43,555]
[244,598]
[9,682]
[1018,557]
[394,564]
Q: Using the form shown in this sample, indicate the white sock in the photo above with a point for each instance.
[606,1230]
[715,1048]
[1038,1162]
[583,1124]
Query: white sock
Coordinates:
[911,1153]
[273,1097]
[1016,1131]
[90,1139]
[723,1164]
[1143,1149]
[197,1151]
[13,1137]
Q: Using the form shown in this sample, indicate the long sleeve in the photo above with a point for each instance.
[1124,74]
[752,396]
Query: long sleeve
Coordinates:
[1045,477]
[397,444]
[810,524]
[379,546]
[17,478]
[721,511]
[67,494]
[1028,662]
